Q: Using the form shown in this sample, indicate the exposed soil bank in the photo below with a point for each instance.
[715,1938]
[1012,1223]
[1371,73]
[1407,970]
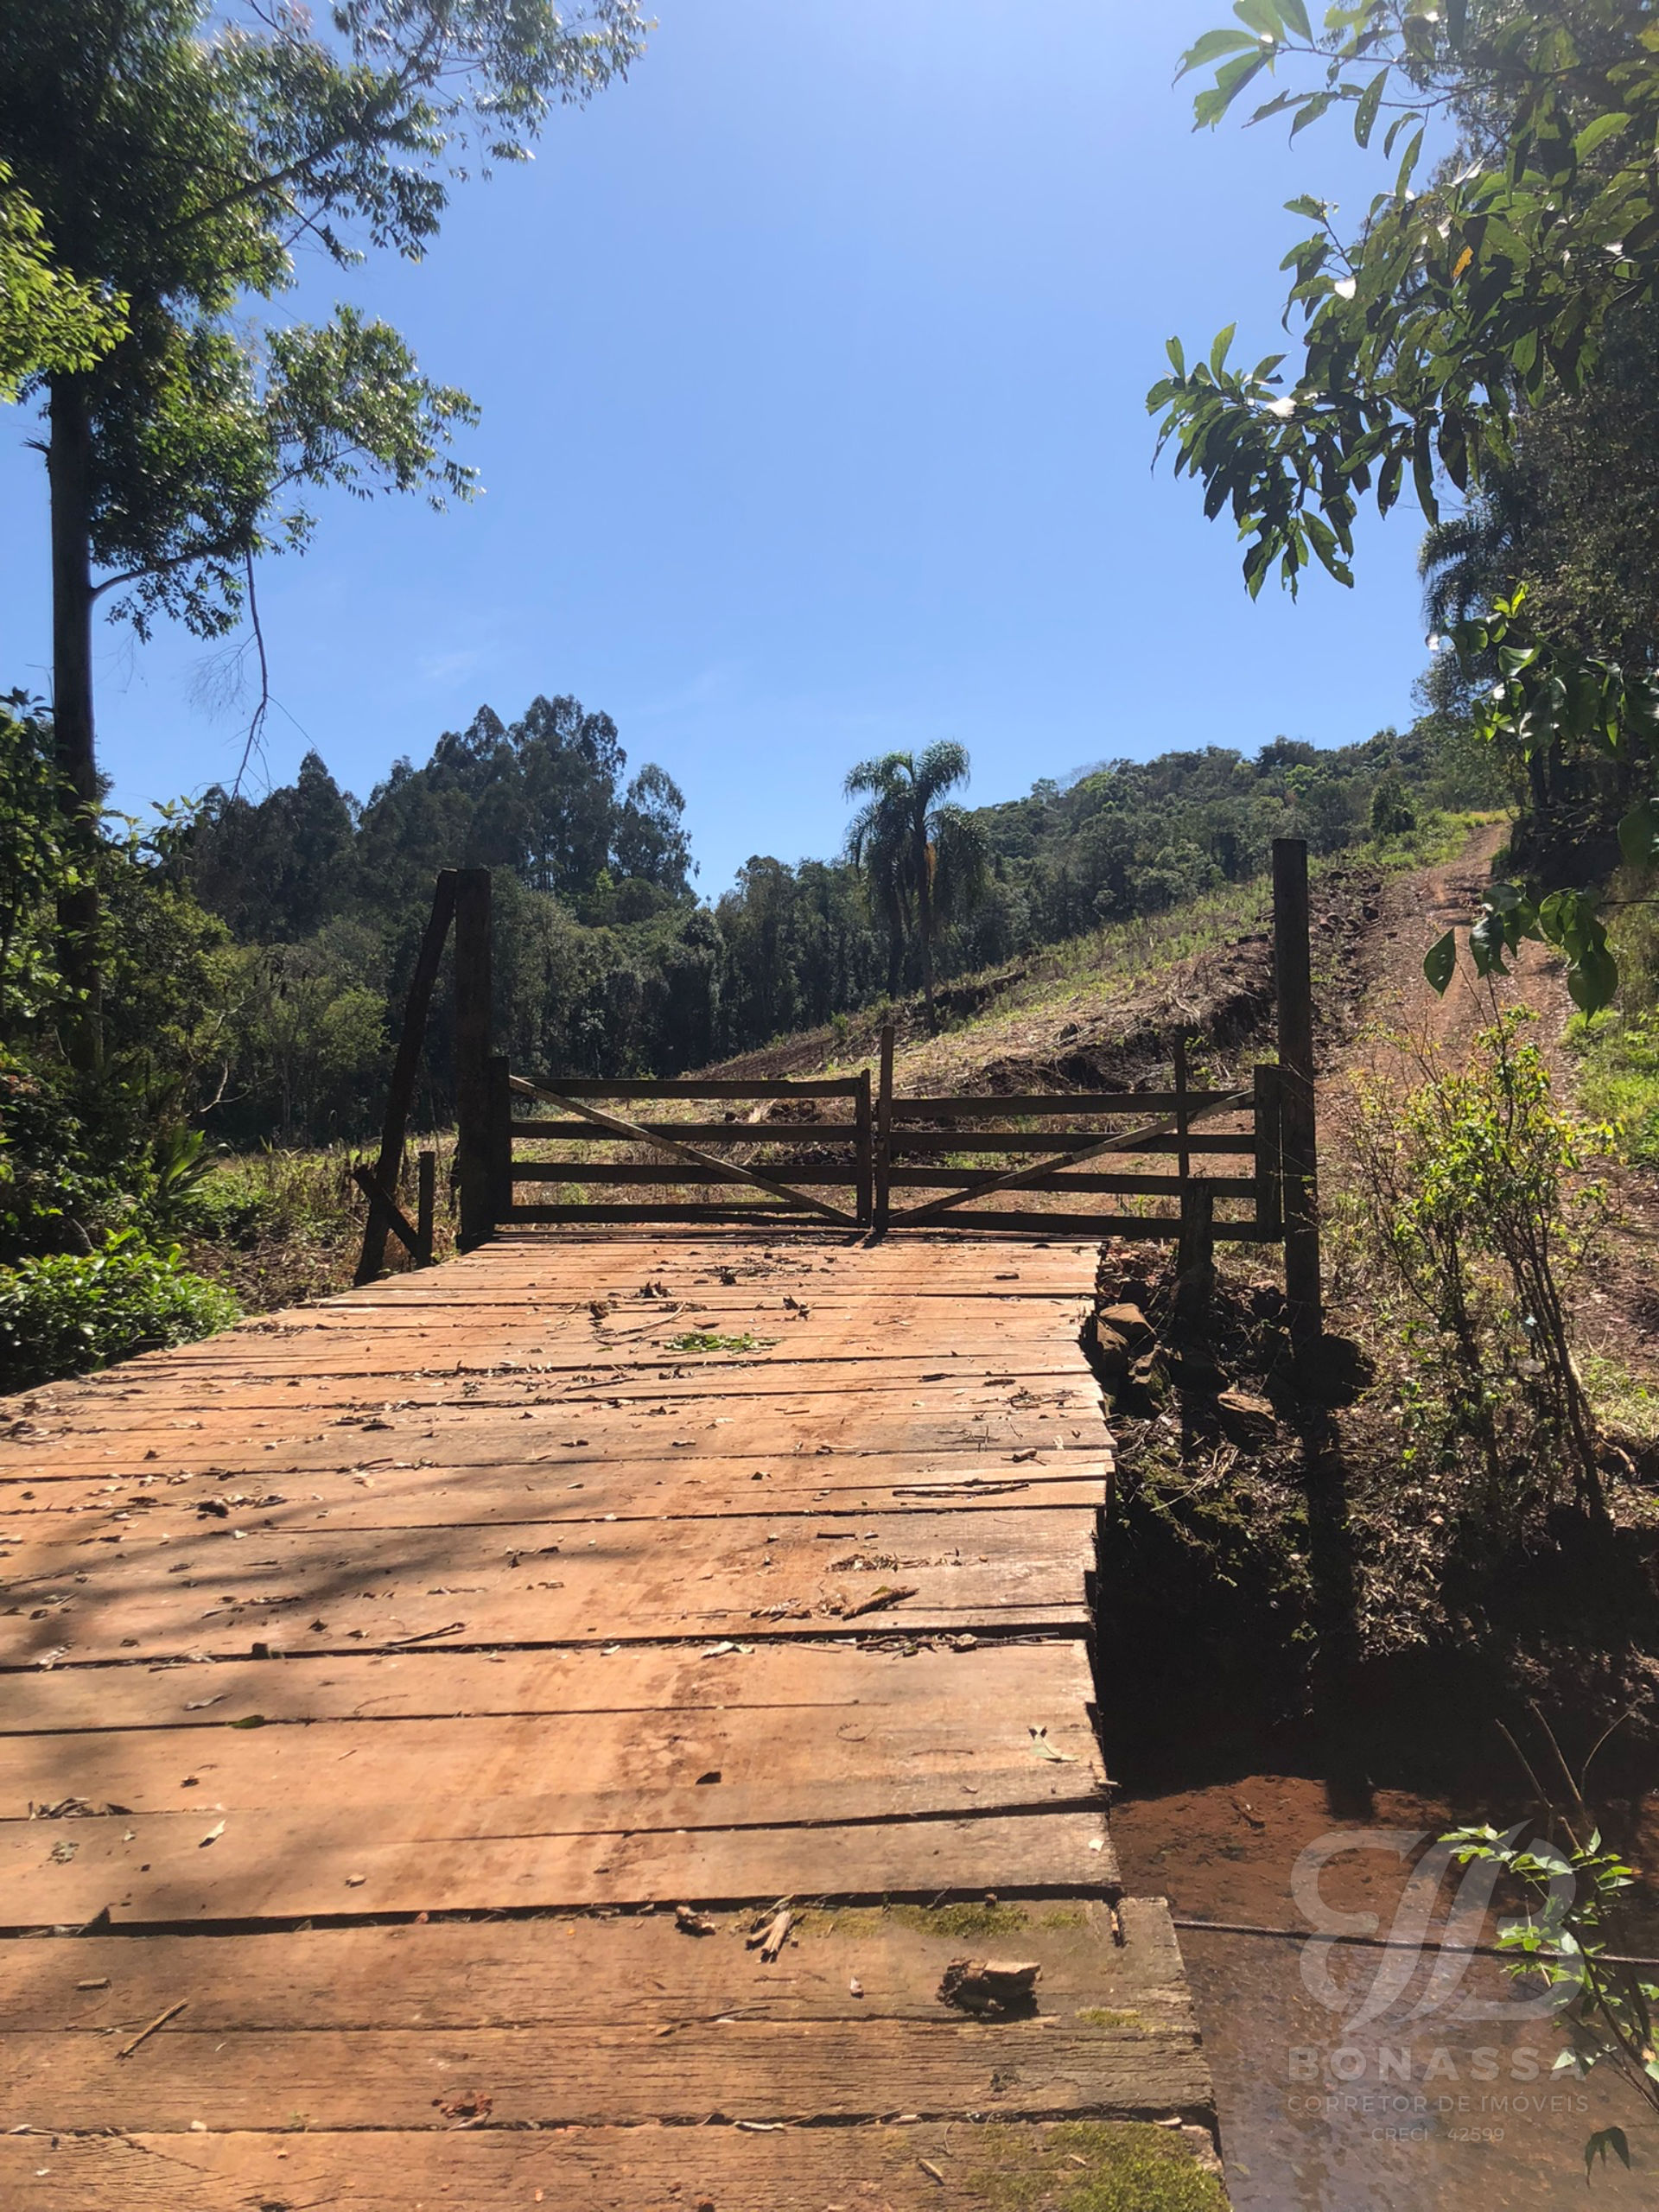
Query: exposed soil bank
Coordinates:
[1309,1699]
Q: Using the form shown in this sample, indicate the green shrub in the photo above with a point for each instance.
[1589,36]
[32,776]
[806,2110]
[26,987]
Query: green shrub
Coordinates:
[66,1314]
[1472,1190]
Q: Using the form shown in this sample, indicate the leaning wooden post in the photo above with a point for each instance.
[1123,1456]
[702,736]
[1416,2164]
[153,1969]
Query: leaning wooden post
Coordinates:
[884,1131]
[863,1145]
[1293,972]
[404,1070]
[475,1152]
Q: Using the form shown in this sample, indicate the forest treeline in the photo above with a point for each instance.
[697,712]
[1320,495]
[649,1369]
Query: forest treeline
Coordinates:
[606,962]
[257,950]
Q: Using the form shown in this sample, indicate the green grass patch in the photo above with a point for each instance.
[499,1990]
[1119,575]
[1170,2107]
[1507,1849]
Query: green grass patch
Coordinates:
[1619,1077]
[1618,1398]
[706,1341]
[1090,2166]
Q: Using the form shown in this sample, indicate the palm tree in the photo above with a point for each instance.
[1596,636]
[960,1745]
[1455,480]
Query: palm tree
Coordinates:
[923,856]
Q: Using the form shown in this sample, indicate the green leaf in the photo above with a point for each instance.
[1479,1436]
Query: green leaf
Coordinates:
[1638,834]
[1231,80]
[1603,2141]
[1440,963]
[1310,111]
[1369,100]
[1295,16]
[1597,133]
[1219,351]
[1261,16]
[1593,979]
[1488,942]
[1210,47]
[1407,166]
[1177,354]
[1457,21]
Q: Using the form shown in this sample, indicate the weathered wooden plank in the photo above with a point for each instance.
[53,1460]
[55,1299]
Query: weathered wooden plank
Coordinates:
[974,2164]
[1149,1228]
[579,2023]
[606,1581]
[1017,1140]
[576,1086]
[1035,1104]
[590,1773]
[428,1495]
[735,1131]
[642,1174]
[275,1866]
[631,1971]
[1169,1186]
[579,1450]
[617,2076]
[797,1685]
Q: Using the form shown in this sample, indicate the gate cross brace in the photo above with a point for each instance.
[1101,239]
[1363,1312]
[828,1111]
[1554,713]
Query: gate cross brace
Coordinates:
[1126,1141]
[618,1127]
[387,1210]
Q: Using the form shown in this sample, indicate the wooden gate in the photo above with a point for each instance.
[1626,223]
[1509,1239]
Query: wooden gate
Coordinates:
[770,1160]
[981,1156]
[817,1149]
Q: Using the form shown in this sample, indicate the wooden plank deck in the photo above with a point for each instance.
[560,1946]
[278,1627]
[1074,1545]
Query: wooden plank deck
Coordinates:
[377,1679]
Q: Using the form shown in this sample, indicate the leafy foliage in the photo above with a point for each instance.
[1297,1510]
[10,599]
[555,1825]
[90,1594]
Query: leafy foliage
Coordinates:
[1474,1191]
[1606,2008]
[1453,339]
[1463,295]
[48,323]
[66,1314]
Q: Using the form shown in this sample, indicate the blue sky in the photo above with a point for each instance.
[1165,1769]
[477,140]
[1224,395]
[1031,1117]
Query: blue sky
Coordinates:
[812,363]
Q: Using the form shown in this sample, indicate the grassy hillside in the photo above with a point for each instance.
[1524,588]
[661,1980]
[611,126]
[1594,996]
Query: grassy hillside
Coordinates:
[1105,1007]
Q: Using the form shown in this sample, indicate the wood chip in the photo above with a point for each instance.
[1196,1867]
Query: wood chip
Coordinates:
[770,1936]
[144,2034]
[1004,1985]
[879,1601]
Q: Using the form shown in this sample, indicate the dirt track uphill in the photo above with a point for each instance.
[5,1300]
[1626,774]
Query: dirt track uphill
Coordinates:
[539,1731]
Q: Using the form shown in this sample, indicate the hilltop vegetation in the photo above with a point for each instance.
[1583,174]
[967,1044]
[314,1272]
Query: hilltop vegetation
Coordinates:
[608,963]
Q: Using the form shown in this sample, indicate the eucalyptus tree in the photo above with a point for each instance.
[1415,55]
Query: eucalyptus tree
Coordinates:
[178,155]
[49,323]
[1463,299]
[923,856]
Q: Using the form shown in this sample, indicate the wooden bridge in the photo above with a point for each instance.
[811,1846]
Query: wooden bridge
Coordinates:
[543,1731]
[609,1723]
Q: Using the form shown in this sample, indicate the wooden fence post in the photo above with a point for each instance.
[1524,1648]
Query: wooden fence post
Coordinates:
[501,1139]
[1293,987]
[476,1156]
[1195,1256]
[884,1131]
[864,1143]
[426,1211]
[1183,1117]
[404,1069]
[1269,1147]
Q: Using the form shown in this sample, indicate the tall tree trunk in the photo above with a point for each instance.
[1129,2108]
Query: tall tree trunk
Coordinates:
[924,921]
[69,474]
